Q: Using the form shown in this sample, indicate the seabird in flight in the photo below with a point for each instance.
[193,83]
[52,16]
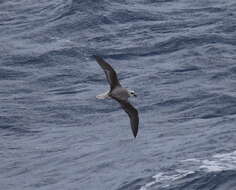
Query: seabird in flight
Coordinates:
[119,93]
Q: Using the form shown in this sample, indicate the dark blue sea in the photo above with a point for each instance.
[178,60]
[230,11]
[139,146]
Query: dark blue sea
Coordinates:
[178,55]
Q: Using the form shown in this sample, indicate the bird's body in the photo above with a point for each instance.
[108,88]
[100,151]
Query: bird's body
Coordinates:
[118,93]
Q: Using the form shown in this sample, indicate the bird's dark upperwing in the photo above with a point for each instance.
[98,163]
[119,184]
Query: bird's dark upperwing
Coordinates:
[133,114]
[109,71]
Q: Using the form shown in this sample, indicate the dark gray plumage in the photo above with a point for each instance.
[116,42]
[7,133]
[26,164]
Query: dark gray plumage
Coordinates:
[118,93]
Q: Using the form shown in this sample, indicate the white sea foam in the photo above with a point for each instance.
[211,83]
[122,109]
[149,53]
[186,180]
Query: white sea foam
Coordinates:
[218,162]
[164,177]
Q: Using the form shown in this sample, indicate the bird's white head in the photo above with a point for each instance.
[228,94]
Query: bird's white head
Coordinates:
[132,93]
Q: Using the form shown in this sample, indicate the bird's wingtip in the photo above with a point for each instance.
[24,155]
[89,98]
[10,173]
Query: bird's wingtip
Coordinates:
[135,133]
[96,56]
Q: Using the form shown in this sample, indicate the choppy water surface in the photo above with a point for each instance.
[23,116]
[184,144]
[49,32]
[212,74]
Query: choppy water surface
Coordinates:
[178,55]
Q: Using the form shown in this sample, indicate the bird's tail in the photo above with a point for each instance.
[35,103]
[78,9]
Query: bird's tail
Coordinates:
[103,95]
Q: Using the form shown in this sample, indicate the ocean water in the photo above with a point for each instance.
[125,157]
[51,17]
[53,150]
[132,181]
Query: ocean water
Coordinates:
[179,57]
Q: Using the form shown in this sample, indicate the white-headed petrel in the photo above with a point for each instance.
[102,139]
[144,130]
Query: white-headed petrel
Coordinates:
[119,93]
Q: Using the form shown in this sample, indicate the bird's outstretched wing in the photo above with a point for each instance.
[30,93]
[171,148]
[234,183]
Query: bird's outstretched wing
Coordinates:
[109,71]
[133,114]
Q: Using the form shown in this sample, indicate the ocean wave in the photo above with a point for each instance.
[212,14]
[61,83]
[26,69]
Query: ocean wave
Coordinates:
[216,173]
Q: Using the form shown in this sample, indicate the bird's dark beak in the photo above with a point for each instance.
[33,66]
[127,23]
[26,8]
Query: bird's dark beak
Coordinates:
[135,95]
